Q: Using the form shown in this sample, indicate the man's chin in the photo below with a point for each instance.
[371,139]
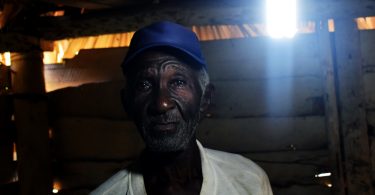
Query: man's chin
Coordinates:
[164,144]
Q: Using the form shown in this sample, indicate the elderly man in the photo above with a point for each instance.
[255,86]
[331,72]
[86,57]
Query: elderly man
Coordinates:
[167,93]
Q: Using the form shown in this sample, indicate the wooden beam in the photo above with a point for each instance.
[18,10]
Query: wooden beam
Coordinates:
[95,4]
[319,9]
[115,21]
[7,168]
[16,42]
[34,170]
[331,110]
[108,137]
[263,134]
[130,19]
[357,164]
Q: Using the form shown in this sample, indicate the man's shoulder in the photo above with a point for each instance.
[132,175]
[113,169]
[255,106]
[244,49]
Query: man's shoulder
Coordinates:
[239,173]
[235,164]
[117,184]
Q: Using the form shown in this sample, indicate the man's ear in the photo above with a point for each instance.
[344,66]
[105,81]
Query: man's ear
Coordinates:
[207,98]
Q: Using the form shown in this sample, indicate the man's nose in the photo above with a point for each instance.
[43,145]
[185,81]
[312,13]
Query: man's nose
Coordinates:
[163,101]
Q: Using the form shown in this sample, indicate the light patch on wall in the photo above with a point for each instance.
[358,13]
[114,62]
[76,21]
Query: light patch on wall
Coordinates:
[56,56]
[14,152]
[323,175]
[366,23]
[281,18]
[5,58]
[50,133]
[56,187]
[331,25]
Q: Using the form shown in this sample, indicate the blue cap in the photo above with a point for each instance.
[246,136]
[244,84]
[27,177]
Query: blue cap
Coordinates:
[165,35]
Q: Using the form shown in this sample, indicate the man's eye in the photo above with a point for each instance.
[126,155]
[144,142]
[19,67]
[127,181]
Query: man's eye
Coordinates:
[144,85]
[178,83]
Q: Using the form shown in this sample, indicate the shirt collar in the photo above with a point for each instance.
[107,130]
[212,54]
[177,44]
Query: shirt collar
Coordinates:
[137,186]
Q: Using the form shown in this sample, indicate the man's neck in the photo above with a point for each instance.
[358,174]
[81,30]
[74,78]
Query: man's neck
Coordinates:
[173,172]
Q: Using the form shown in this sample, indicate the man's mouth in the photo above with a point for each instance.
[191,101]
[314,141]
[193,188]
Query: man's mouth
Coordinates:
[164,127]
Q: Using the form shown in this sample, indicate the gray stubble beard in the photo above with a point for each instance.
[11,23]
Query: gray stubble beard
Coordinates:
[171,142]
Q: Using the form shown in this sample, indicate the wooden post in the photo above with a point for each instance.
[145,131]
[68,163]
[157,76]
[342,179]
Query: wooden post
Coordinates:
[331,111]
[6,138]
[355,139]
[30,108]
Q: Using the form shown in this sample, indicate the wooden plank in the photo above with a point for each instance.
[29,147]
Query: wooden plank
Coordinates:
[367,44]
[16,42]
[90,100]
[371,128]
[93,5]
[262,58]
[331,109]
[7,166]
[281,171]
[293,155]
[293,167]
[93,138]
[263,134]
[292,174]
[372,154]
[7,134]
[278,97]
[96,139]
[371,118]
[86,174]
[274,97]
[19,42]
[368,85]
[256,58]
[367,39]
[353,119]
[196,13]
[90,66]
[82,174]
[302,189]
[34,169]
[132,18]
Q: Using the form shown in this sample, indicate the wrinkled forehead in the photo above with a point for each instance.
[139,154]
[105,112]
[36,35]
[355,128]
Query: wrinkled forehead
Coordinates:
[157,60]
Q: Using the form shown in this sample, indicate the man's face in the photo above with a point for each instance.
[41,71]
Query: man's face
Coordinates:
[165,101]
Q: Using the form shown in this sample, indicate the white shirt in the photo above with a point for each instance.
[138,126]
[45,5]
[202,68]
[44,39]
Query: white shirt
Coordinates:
[223,173]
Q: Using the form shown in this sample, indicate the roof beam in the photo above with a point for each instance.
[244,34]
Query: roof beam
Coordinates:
[15,42]
[209,13]
[18,42]
[125,20]
[310,9]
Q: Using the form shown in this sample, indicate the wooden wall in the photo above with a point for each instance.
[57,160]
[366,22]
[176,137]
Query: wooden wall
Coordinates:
[367,39]
[268,106]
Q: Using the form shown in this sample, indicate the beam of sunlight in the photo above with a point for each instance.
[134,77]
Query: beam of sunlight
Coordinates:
[281,18]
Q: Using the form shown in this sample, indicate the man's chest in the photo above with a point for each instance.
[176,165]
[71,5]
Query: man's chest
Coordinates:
[172,187]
